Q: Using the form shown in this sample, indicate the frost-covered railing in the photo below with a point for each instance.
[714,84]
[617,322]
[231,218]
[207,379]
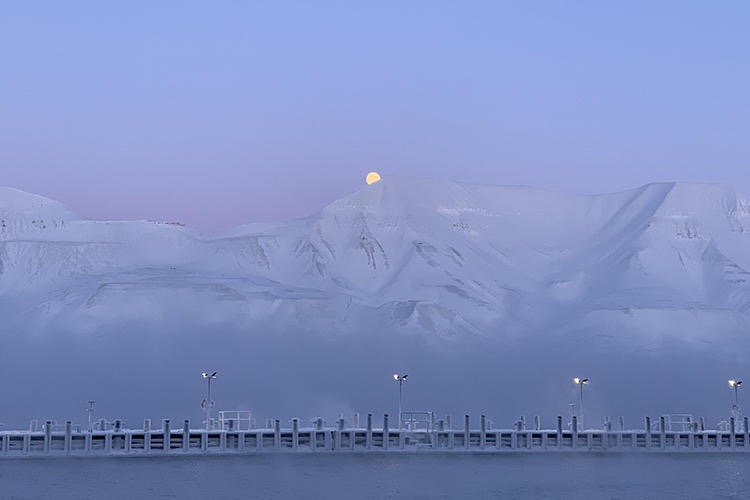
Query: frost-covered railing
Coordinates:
[54,440]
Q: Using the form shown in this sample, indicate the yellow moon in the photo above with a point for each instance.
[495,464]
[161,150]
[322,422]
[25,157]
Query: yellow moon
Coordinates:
[372,177]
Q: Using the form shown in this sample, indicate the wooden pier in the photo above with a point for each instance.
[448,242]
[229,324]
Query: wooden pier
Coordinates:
[61,441]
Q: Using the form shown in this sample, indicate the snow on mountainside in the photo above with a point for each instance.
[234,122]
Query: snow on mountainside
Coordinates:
[455,280]
[429,255]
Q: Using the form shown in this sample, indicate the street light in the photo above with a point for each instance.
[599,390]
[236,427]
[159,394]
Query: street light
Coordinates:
[207,403]
[581,382]
[400,379]
[735,384]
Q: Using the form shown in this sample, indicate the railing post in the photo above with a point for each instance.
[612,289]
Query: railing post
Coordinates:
[559,431]
[386,433]
[295,433]
[648,432]
[605,434]
[87,442]
[574,429]
[482,431]
[467,432]
[368,436]
[166,442]
[47,435]
[663,433]
[147,434]
[451,436]
[108,442]
[402,433]
[339,431]
[693,428]
[68,436]
[186,435]
[277,434]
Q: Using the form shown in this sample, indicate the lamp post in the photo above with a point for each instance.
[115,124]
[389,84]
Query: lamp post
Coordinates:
[580,382]
[207,403]
[400,379]
[735,384]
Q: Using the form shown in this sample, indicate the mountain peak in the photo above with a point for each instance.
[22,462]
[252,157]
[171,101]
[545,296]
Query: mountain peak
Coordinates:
[17,202]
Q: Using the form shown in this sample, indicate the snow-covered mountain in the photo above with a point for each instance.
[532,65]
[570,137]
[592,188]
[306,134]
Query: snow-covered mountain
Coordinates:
[453,278]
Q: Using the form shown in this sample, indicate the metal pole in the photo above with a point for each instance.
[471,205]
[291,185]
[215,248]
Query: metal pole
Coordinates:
[400,392]
[581,405]
[208,405]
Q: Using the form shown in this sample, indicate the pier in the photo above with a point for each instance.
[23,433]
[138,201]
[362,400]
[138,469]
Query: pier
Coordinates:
[417,432]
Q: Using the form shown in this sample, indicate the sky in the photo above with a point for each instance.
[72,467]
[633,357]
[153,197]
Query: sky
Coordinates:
[221,113]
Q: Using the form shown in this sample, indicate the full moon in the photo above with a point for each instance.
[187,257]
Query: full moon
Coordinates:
[372,177]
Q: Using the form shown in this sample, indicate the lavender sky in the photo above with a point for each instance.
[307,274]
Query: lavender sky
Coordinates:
[225,112]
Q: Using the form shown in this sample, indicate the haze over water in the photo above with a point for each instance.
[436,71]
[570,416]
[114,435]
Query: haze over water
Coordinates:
[385,475]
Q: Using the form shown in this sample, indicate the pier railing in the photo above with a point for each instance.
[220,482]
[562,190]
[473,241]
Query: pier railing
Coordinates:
[659,436]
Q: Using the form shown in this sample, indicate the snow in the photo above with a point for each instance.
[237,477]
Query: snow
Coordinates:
[498,284]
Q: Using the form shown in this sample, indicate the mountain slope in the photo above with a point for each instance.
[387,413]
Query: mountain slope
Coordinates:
[430,266]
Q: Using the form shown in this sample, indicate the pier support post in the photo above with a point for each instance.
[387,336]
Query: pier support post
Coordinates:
[662,433]
[186,435]
[68,436]
[449,428]
[482,431]
[277,434]
[368,436]
[339,432]
[732,433]
[648,432]
[147,434]
[559,431]
[47,435]
[574,429]
[386,432]
[167,435]
[745,433]
[467,432]
[692,428]
[295,433]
